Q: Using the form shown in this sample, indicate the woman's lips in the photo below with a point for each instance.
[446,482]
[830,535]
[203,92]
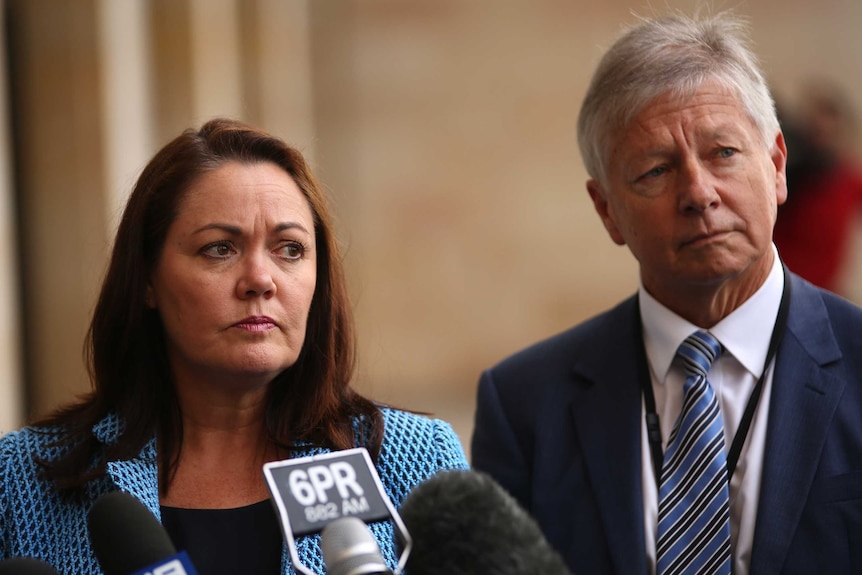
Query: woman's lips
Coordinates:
[256,323]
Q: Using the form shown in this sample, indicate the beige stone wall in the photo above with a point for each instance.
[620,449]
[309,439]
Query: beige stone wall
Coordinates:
[444,130]
[470,228]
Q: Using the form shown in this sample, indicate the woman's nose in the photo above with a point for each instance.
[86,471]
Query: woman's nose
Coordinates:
[256,278]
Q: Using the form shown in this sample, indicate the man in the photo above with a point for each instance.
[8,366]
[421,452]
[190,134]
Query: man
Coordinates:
[712,423]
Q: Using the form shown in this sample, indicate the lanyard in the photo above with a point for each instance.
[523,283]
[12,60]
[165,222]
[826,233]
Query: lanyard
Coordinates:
[652,420]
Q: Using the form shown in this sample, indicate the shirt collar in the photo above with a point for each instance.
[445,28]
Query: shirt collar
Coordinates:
[745,333]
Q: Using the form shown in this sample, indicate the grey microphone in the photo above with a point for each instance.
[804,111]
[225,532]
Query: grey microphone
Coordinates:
[349,549]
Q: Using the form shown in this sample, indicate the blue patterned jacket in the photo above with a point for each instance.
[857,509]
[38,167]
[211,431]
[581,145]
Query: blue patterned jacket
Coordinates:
[35,522]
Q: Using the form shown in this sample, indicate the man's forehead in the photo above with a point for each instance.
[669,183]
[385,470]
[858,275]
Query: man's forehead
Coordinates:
[705,115]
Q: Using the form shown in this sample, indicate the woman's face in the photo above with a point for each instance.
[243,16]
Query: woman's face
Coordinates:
[236,276]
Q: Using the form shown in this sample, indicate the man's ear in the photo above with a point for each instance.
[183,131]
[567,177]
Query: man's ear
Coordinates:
[600,202]
[779,160]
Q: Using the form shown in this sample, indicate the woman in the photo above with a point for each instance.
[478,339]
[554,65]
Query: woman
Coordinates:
[222,339]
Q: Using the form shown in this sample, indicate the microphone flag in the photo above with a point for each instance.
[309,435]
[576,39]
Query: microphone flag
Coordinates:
[178,564]
[311,492]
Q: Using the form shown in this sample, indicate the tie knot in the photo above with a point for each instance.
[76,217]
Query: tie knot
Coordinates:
[698,351]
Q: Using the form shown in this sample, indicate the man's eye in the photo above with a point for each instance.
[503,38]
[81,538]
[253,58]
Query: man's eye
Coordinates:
[654,173]
[726,152]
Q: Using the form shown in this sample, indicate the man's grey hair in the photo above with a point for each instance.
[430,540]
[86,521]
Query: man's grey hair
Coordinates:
[675,54]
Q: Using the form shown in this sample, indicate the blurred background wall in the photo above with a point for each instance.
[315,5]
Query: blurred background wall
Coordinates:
[443,129]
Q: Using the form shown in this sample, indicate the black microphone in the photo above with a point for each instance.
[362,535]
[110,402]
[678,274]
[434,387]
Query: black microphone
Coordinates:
[348,548]
[26,566]
[127,538]
[464,522]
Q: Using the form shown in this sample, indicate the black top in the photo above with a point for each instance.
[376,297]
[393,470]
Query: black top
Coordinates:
[228,541]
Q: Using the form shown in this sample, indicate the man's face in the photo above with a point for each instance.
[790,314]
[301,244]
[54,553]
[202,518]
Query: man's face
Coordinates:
[693,191]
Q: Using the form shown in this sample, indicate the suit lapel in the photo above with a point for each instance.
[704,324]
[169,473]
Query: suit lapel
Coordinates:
[805,392]
[607,416]
[139,477]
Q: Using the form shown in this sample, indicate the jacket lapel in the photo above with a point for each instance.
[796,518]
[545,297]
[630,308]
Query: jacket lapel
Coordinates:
[806,387]
[607,416]
[139,477]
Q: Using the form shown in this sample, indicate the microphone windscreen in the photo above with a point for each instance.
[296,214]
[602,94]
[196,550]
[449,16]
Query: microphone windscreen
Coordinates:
[348,548]
[26,566]
[125,535]
[464,522]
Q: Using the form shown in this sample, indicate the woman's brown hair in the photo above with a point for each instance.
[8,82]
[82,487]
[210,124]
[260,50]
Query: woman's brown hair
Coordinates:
[312,401]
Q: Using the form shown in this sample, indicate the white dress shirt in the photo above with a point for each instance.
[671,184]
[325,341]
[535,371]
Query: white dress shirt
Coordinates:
[744,336]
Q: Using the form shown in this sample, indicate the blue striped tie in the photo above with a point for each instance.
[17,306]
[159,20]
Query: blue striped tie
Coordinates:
[693,512]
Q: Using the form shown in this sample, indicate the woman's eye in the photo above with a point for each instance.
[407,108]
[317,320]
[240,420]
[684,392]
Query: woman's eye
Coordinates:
[219,250]
[293,250]
[726,152]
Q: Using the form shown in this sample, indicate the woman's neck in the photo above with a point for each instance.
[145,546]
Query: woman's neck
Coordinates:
[220,462]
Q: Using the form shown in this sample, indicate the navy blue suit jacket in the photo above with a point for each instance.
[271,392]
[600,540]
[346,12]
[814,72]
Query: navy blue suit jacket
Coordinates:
[559,425]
